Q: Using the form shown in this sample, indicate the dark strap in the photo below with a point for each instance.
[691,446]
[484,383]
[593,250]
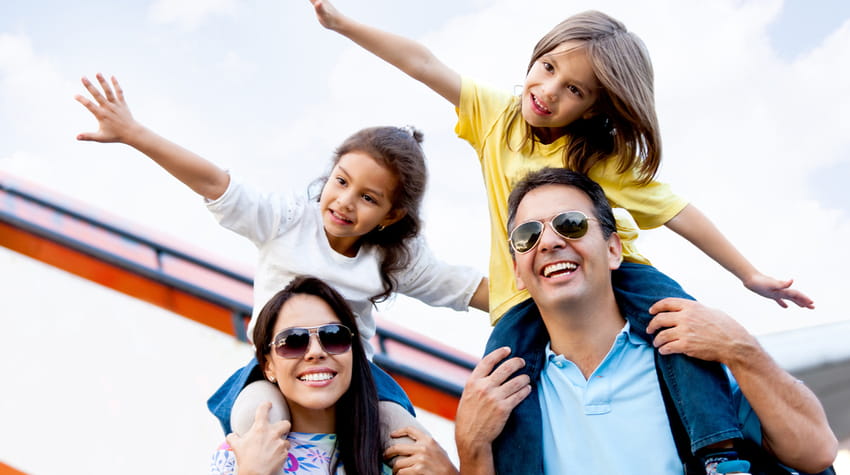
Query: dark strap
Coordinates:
[691,465]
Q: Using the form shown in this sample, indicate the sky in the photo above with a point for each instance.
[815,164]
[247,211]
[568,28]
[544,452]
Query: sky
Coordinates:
[752,98]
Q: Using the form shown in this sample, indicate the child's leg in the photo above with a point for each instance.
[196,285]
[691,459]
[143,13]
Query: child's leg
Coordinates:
[395,409]
[394,417]
[251,396]
[223,404]
[700,389]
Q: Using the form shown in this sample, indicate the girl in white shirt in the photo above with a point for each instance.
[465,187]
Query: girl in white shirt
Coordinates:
[361,236]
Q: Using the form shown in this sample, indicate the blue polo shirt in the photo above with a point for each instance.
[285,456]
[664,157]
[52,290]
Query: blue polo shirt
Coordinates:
[614,421]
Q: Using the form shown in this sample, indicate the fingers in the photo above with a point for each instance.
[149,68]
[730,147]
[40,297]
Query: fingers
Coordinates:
[93,90]
[409,431]
[281,428]
[107,90]
[670,304]
[664,337]
[261,416]
[486,365]
[119,93]
[232,439]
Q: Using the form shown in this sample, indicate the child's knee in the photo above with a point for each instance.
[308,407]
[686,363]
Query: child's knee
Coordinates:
[394,417]
[251,396]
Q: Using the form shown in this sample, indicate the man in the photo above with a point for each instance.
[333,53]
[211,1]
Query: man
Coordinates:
[591,402]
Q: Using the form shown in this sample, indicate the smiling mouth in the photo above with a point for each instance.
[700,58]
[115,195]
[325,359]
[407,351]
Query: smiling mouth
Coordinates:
[313,377]
[559,268]
[540,106]
[341,217]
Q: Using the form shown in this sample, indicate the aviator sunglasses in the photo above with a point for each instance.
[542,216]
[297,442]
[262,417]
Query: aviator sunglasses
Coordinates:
[568,225]
[334,338]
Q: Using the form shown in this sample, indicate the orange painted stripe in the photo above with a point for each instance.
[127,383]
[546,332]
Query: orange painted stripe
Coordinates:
[7,470]
[428,398]
[115,278]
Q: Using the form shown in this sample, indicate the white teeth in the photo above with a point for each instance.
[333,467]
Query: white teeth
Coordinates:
[316,377]
[551,269]
[340,216]
[541,106]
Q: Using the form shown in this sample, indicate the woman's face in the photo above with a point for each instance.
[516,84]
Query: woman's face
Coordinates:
[312,383]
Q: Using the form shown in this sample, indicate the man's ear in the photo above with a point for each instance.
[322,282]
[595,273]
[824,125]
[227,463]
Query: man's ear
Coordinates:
[393,217]
[520,285]
[615,251]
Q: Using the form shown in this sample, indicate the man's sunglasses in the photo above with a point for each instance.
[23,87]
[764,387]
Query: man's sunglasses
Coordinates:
[293,342]
[568,225]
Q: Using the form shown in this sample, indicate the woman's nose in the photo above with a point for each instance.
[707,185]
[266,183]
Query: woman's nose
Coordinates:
[314,348]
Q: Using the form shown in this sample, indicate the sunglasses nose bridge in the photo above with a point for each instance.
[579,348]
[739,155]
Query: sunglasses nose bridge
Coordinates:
[550,238]
[314,345]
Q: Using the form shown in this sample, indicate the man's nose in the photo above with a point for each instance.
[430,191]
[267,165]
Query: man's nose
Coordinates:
[550,240]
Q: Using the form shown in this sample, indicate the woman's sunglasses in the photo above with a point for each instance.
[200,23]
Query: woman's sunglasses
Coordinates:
[568,225]
[293,342]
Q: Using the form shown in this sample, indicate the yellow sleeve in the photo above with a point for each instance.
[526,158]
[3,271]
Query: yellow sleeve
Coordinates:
[651,205]
[479,109]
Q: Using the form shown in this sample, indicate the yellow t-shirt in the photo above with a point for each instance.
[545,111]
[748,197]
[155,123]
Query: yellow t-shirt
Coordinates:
[483,117]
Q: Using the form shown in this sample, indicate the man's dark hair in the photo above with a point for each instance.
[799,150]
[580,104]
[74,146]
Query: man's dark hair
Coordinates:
[562,176]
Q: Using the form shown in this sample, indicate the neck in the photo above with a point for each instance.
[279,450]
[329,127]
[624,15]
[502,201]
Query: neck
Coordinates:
[547,135]
[584,334]
[318,421]
[347,246]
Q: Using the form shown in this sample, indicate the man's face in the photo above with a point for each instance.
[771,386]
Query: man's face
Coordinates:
[560,271]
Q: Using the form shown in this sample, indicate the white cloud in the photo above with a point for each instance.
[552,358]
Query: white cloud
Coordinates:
[189,14]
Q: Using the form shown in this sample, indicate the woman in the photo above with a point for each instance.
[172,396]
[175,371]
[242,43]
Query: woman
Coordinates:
[307,344]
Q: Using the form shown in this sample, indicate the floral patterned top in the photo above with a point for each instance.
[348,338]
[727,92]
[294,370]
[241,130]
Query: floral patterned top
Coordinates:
[309,453]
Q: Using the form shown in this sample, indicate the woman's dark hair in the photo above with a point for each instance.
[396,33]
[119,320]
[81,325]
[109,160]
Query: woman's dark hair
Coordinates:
[357,423]
[397,149]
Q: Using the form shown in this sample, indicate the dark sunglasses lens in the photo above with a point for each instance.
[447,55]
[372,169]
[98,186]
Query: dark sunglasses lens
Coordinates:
[571,224]
[335,339]
[292,343]
[525,236]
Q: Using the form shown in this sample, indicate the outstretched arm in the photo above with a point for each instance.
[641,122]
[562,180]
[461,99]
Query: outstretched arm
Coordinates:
[481,297]
[412,58]
[694,226]
[116,124]
[794,424]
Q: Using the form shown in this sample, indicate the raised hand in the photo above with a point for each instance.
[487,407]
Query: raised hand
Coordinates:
[114,119]
[778,290]
[327,14]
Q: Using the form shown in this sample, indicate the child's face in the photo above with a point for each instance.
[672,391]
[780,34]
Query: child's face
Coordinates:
[314,382]
[559,88]
[356,199]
